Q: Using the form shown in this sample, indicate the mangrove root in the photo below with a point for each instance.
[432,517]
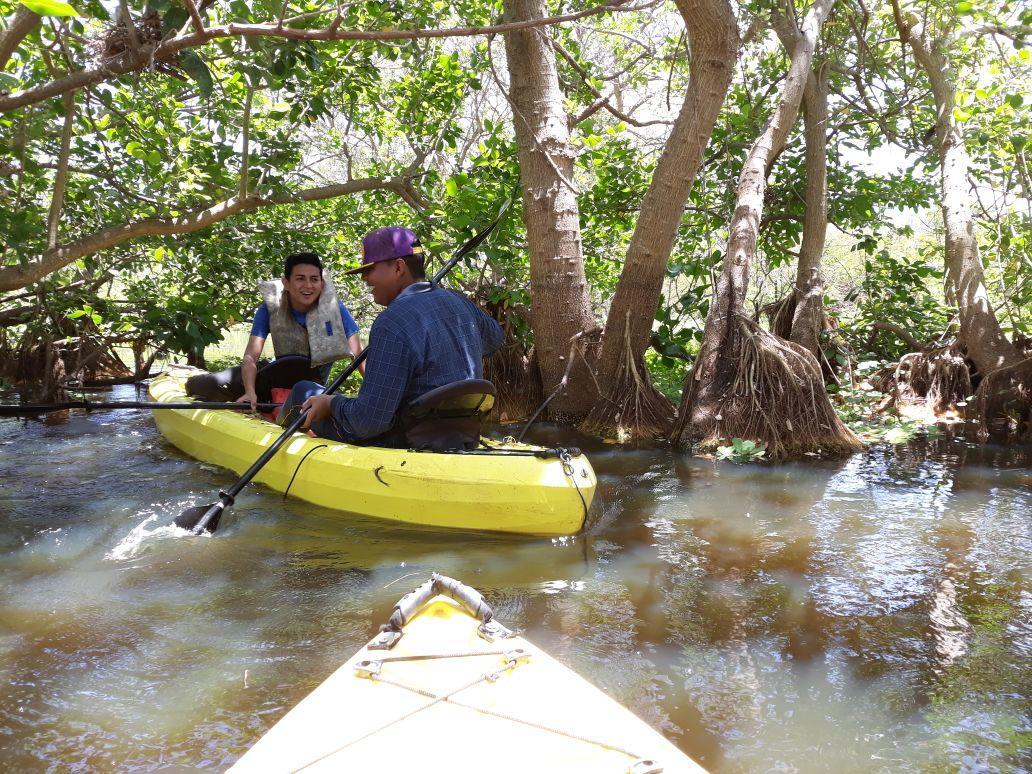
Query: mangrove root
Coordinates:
[1003,402]
[763,388]
[940,379]
[632,408]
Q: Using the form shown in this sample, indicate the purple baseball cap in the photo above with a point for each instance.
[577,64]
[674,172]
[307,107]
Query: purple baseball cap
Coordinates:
[386,244]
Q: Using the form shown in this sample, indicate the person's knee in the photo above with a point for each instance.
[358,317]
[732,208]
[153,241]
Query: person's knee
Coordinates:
[299,393]
[304,390]
[222,385]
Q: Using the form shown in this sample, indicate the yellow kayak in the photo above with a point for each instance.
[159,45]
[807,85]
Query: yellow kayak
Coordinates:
[508,488]
[446,688]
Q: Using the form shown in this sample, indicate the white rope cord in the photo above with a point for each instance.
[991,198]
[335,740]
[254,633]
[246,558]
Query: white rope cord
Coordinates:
[429,694]
[430,656]
[501,715]
[543,727]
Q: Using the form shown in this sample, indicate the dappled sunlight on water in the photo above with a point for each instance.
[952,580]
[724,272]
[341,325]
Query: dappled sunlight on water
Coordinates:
[871,613]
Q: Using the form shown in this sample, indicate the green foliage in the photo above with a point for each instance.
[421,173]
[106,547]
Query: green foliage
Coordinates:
[166,142]
[898,287]
[186,323]
[742,450]
[667,374]
[221,362]
[50,8]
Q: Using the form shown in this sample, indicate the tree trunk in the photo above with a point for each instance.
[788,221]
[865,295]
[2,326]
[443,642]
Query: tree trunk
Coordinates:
[746,382]
[800,318]
[980,330]
[22,23]
[808,320]
[560,304]
[713,42]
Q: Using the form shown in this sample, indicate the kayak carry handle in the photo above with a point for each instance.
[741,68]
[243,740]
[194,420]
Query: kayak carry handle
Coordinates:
[412,603]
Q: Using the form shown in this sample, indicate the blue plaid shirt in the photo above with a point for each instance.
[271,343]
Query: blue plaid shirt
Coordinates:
[426,338]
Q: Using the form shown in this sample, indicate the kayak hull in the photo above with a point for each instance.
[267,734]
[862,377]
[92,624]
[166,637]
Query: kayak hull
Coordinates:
[514,709]
[491,492]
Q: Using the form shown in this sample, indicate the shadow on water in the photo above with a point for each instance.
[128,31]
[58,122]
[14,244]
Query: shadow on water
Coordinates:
[871,613]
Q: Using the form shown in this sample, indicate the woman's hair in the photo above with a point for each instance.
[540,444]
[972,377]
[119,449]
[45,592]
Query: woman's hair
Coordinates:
[308,259]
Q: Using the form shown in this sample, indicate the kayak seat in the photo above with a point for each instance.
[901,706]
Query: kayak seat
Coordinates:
[448,417]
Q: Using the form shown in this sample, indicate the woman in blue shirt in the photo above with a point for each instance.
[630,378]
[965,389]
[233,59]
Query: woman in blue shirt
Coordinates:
[310,329]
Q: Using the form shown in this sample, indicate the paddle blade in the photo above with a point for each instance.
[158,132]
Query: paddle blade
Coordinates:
[193,519]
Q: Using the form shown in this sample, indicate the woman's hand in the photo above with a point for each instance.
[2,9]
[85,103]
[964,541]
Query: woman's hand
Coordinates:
[249,397]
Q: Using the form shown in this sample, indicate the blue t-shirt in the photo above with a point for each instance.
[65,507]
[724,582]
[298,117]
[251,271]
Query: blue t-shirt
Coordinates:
[260,326]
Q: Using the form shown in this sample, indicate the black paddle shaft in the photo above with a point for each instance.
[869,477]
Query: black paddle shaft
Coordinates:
[214,511]
[31,409]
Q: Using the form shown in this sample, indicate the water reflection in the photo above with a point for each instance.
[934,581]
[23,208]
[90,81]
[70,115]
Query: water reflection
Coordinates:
[867,614]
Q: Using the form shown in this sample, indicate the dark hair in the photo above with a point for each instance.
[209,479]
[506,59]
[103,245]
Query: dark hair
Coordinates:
[293,260]
[416,266]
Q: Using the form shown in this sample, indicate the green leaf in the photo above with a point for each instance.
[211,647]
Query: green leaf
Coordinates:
[96,9]
[451,187]
[50,8]
[1015,100]
[279,110]
[965,8]
[136,150]
[173,19]
[960,114]
[1018,142]
[198,70]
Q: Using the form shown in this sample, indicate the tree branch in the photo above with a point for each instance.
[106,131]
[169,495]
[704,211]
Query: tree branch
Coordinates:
[603,102]
[246,149]
[131,61]
[195,15]
[1017,32]
[61,179]
[130,26]
[15,277]
[22,23]
[902,333]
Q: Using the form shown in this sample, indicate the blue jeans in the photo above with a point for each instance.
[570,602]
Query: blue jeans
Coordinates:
[291,408]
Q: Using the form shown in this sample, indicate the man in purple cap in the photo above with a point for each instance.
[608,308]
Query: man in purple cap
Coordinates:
[425,338]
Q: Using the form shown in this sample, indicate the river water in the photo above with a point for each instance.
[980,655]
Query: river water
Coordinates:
[868,614]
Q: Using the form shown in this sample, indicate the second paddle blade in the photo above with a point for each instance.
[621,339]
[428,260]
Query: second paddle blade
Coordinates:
[191,517]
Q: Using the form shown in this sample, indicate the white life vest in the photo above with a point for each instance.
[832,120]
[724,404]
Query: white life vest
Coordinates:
[325,339]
